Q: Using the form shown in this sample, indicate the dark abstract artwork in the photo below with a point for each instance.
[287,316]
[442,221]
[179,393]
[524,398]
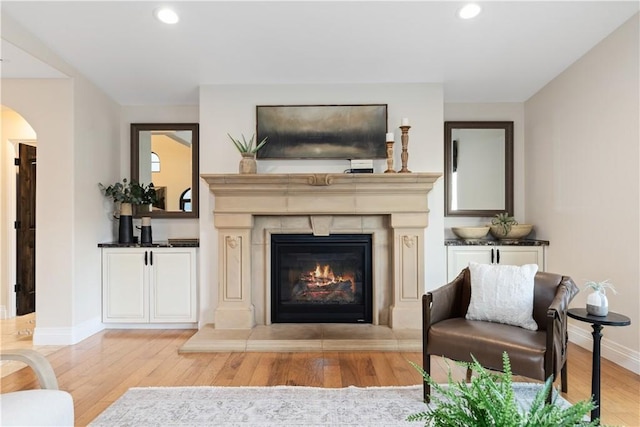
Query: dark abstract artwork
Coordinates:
[322,131]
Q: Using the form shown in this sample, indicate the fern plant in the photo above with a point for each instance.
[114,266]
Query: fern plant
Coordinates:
[504,221]
[489,400]
[245,146]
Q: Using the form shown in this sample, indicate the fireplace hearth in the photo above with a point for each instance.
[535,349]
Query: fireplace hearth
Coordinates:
[321,279]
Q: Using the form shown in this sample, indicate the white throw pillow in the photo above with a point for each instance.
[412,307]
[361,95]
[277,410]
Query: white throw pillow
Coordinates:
[503,294]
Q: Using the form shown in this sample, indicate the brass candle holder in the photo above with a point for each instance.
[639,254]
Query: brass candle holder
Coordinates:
[390,157]
[404,156]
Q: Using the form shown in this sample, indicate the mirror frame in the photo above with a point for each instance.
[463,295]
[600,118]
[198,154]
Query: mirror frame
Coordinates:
[508,159]
[136,128]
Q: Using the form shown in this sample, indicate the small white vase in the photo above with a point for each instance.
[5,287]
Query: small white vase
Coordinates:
[597,304]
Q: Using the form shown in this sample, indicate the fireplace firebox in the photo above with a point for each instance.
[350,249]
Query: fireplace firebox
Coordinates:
[321,279]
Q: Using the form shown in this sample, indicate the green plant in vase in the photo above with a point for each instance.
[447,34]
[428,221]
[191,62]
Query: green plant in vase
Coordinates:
[504,222]
[247,147]
[126,194]
[248,151]
[597,301]
[489,400]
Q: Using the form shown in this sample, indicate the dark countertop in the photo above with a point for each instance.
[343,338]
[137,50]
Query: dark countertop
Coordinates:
[171,243]
[487,242]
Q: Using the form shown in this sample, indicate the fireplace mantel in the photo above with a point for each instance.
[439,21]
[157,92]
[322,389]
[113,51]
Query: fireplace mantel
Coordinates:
[241,198]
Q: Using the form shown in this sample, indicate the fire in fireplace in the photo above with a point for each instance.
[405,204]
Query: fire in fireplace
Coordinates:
[319,279]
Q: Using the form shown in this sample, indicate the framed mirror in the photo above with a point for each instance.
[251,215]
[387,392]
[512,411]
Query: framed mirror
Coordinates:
[166,154]
[478,168]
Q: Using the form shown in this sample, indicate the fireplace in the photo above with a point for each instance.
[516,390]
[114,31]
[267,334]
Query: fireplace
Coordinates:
[250,209]
[321,279]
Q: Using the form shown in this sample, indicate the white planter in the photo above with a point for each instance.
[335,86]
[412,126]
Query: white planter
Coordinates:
[597,304]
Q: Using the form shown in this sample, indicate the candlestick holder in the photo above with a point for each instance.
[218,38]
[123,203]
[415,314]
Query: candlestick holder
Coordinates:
[404,156]
[390,157]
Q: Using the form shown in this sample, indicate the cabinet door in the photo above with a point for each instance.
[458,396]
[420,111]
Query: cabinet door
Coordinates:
[173,285]
[521,255]
[124,286]
[459,257]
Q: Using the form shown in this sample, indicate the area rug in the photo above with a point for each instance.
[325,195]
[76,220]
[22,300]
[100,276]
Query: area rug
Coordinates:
[275,406]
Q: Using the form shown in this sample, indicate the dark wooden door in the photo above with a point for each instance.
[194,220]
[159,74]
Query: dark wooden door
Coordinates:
[26,231]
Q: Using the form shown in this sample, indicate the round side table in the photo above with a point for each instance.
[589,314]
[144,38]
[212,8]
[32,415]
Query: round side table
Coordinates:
[597,322]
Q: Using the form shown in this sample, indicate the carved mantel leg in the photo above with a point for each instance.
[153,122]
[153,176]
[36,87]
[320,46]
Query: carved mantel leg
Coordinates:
[235,310]
[408,270]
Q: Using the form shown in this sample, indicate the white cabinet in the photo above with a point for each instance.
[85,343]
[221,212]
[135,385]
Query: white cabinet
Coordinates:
[459,257]
[149,285]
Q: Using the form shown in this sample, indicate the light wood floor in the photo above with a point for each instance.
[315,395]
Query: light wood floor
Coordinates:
[101,368]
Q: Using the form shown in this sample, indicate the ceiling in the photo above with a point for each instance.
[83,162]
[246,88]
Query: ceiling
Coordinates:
[506,54]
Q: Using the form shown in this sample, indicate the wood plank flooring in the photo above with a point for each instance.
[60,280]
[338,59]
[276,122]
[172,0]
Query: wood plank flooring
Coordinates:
[101,368]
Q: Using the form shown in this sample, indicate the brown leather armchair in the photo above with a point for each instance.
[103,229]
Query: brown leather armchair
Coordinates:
[534,354]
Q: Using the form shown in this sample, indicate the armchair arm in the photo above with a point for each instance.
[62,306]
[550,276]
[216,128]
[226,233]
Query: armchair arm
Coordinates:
[557,324]
[37,362]
[445,301]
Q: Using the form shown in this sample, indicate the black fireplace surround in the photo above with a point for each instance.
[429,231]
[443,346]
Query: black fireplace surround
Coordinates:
[321,279]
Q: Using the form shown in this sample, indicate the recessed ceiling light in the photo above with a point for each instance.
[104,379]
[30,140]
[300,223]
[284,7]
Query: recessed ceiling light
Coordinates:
[469,11]
[166,15]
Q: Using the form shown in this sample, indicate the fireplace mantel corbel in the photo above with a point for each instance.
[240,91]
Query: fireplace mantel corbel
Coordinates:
[240,198]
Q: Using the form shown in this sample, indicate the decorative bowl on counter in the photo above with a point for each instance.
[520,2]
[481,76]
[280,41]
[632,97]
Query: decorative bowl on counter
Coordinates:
[518,231]
[471,233]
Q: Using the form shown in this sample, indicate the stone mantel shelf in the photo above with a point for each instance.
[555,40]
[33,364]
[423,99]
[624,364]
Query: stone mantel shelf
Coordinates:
[245,206]
[330,193]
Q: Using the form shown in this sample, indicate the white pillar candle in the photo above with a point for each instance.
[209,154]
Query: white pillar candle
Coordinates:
[390,137]
[405,121]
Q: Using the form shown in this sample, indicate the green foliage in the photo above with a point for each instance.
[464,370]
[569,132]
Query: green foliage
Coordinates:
[245,146]
[600,286]
[130,192]
[488,400]
[504,221]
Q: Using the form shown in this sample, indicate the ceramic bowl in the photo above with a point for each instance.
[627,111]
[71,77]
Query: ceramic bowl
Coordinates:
[469,233]
[517,231]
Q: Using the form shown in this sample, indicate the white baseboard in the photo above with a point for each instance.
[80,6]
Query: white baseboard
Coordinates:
[616,353]
[150,325]
[67,336]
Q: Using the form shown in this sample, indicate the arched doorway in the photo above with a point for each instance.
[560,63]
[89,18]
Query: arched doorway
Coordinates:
[18,183]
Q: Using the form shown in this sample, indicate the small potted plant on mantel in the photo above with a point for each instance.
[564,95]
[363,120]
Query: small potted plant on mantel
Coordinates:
[248,151]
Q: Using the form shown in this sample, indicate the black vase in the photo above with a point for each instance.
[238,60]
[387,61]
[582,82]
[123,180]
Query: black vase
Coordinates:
[125,232]
[145,235]
[125,229]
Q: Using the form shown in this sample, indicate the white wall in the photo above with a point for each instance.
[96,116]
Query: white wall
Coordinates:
[78,146]
[231,109]
[96,120]
[582,182]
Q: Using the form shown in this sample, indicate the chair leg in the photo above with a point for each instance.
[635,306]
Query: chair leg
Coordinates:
[469,372]
[564,378]
[426,362]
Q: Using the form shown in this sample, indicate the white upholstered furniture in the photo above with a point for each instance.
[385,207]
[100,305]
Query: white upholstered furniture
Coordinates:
[47,406]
